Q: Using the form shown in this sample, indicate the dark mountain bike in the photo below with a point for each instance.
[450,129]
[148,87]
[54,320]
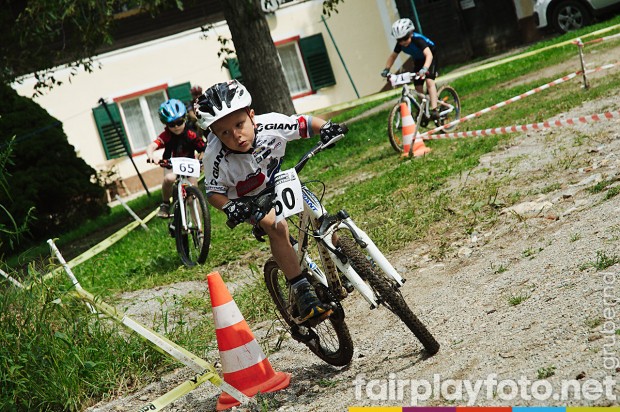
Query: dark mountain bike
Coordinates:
[191,221]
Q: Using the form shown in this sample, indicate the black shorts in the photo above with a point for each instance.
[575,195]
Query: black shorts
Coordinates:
[432,71]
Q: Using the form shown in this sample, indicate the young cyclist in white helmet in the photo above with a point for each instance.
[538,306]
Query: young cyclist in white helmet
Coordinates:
[422,50]
[243,155]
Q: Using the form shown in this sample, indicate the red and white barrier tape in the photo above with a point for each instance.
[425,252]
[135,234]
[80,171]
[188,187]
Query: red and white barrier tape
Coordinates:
[426,135]
[599,40]
[531,126]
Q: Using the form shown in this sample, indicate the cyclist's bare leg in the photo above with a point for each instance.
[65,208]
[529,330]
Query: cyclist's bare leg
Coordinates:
[280,245]
[166,186]
[432,92]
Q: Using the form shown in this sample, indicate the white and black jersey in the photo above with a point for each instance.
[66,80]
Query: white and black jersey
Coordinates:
[237,174]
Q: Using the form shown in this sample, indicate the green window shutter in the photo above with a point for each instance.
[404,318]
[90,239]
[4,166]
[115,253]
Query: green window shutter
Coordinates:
[112,144]
[181,92]
[233,68]
[317,61]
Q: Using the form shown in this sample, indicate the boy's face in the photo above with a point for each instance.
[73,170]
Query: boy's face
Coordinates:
[177,126]
[405,41]
[236,130]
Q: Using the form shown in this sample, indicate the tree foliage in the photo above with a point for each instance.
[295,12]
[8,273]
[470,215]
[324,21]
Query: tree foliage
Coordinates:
[38,35]
[44,172]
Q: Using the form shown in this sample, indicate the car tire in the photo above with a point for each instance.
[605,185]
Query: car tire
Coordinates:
[570,15]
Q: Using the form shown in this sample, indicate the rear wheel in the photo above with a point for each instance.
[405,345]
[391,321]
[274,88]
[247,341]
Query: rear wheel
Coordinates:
[449,106]
[193,243]
[329,340]
[395,127]
[387,292]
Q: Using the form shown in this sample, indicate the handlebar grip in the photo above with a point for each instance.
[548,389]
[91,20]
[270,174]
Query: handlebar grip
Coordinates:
[231,224]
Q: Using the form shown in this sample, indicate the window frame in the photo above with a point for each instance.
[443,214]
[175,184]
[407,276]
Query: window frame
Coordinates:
[140,95]
[302,64]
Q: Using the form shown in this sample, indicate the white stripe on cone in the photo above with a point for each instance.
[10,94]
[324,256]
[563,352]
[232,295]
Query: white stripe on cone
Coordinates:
[242,357]
[226,315]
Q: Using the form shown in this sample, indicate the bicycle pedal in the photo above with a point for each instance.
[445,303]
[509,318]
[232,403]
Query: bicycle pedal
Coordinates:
[312,322]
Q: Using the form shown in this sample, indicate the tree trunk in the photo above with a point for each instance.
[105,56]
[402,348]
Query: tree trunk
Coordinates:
[258,58]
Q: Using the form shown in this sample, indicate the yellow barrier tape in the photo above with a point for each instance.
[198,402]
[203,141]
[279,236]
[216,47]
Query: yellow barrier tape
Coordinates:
[103,245]
[159,341]
[176,393]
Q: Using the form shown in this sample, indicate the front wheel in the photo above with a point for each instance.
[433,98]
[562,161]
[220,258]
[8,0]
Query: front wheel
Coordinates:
[329,340]
[449,106]
[387,293]
[395,127]
[193,243]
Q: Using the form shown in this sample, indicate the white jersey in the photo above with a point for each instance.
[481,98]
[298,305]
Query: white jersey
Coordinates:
[244,174]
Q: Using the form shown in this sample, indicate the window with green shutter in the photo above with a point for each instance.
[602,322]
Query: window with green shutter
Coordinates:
[181,92]
[109,129]
[233,69]
[317,62]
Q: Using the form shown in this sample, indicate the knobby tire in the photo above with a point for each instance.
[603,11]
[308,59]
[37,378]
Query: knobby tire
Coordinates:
[389,295]
[330,340]
[193,245]
[448,94]
[395,126]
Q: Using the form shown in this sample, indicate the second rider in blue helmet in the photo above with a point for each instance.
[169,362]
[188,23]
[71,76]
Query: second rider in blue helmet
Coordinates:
[177,141]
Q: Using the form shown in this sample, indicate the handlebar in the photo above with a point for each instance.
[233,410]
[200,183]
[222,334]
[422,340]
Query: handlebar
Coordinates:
[403,78]
[165,163]
[263,202]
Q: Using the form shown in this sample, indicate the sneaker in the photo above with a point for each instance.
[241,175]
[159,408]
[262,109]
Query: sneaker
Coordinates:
[308,305]
[164,211]
[434,114]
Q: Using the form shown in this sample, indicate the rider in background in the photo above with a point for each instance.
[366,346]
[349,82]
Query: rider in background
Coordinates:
[422,50]
[177,141]
[244,153]
[191,115]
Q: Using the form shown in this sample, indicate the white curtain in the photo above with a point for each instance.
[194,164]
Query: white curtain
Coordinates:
[293,69]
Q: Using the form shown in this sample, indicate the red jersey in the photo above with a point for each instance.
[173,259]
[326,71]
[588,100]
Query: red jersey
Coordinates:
[183,145]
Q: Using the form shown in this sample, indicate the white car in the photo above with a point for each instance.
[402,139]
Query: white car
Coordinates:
[569,15]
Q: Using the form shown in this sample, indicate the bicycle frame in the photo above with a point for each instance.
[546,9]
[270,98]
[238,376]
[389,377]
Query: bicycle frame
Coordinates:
[313,209]
[410,96]
[181,183]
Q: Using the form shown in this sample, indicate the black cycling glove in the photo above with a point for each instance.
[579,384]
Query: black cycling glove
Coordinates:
[330,130]
[385,72]
[237,211]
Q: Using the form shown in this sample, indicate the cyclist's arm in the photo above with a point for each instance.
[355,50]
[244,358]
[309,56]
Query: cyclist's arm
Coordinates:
[391,59]
[428,57]
[150,150]
[217,200]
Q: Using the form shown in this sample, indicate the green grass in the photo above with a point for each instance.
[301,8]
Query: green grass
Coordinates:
[86,359]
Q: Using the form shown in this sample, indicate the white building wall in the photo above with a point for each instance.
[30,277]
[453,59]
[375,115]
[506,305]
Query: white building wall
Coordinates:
[360,30]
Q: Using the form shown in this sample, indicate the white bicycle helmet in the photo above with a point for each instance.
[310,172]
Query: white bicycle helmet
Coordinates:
[401,28]
[220,100]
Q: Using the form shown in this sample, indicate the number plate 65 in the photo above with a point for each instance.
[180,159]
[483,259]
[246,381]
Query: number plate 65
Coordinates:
[185,166]
[289,198]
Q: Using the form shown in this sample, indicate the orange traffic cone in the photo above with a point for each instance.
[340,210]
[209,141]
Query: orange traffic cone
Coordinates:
[408,128]
[244,364]
[419,149]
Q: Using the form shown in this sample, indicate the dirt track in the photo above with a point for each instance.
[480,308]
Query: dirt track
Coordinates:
[517,301]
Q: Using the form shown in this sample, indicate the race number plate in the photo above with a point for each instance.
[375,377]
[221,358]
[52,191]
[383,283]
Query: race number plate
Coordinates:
[185,166]
[289,198]
[400,79]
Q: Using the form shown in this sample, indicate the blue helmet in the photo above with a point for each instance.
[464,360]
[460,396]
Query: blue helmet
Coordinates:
[171,110]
